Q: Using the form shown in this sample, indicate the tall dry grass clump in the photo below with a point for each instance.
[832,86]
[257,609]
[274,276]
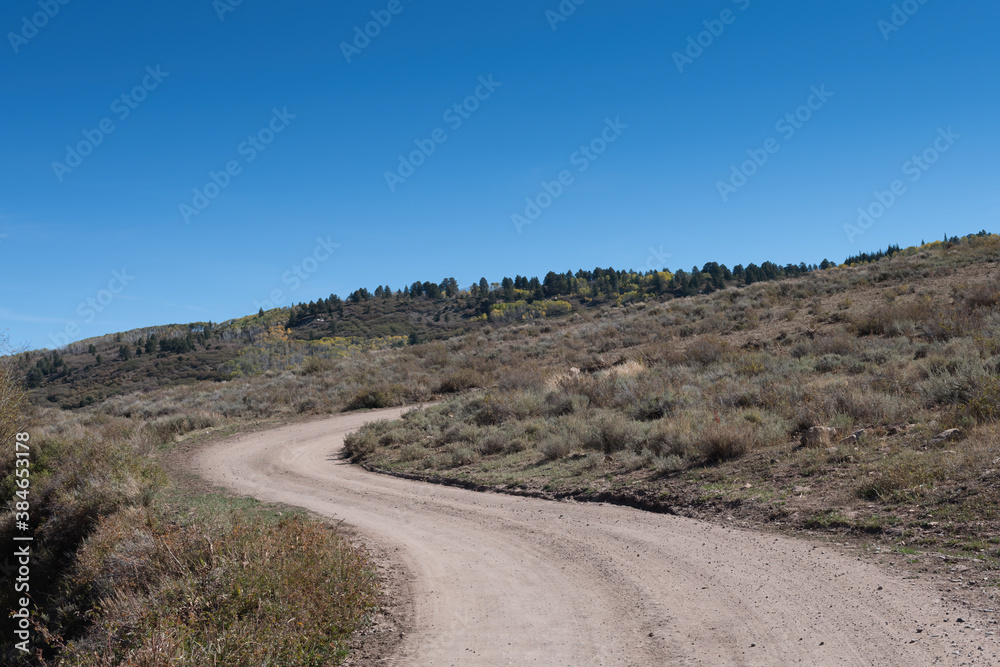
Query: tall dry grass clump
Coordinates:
[230,589]
[12,401]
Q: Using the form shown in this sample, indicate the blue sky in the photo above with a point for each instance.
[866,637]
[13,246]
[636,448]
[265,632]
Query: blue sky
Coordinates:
[687,91]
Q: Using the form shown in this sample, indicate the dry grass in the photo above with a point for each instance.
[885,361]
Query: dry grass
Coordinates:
[231,589]
[696,399]
[714,388]
[121,577]
[12,397]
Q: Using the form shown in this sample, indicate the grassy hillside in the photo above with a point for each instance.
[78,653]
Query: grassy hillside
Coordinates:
[683,392]
[87,372]
[700,405]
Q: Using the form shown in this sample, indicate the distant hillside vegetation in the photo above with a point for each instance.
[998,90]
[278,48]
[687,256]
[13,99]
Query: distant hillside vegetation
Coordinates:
[89,371]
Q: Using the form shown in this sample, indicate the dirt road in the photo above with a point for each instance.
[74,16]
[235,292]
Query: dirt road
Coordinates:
[501,580]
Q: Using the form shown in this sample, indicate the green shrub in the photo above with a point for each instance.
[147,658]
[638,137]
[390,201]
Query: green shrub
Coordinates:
[613,432]
[490,410]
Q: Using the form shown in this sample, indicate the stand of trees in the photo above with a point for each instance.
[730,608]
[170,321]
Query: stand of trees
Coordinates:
[597,285]
[593,285]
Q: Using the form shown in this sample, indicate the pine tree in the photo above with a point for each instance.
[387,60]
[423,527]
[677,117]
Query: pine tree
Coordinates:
[35,378]
[508,289]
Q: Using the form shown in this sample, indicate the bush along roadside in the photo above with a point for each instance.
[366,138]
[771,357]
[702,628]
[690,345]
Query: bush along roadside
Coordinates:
[127,568]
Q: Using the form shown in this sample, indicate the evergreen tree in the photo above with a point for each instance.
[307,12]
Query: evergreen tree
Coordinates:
[508,289]
[35,378]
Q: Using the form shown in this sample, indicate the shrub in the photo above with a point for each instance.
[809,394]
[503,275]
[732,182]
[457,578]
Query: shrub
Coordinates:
[554,446]
[492,443]
[380,396]
[363,442]
[982,404]
[707,350]
[983,295]
[559,403]
[829,363]
[490,410]
[653,407]
[461,455]
[612,432]
[222,591]
[726,441]
[460,380]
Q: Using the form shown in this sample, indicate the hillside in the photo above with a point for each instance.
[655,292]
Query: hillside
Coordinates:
[88,371]
[703,406]
[687,395]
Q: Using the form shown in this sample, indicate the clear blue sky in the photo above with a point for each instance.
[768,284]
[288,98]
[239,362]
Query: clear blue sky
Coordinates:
[66,228]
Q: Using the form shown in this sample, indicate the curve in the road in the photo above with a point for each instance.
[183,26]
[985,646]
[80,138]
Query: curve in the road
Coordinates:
[502,580]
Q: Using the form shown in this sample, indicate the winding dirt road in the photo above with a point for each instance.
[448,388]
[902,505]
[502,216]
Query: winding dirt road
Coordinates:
[500,580]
